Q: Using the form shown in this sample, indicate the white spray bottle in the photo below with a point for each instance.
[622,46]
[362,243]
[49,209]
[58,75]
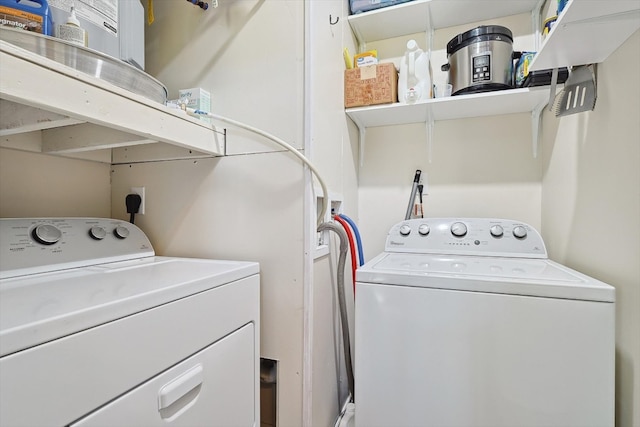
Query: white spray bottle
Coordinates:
[414,82]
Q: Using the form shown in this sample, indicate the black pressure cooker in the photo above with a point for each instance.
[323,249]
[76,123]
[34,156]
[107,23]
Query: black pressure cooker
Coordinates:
[481,60]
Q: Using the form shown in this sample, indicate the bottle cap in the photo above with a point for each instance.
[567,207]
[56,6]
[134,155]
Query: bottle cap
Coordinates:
[72,19]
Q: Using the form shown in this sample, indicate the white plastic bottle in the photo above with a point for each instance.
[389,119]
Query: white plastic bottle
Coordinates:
[414,82]
[71,31]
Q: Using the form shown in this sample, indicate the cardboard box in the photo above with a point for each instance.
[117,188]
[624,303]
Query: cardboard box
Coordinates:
[370,85]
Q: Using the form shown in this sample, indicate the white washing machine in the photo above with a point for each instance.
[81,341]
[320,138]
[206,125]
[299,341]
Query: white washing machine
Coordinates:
[465,322]
[96,330]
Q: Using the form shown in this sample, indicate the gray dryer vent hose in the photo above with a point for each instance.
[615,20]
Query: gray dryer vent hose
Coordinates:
[344,321]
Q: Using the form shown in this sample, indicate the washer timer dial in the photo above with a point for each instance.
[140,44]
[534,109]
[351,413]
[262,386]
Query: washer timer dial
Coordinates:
[458,229]
[47,234]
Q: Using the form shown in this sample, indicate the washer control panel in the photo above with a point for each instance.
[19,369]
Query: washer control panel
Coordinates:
[36,245]
[466,236]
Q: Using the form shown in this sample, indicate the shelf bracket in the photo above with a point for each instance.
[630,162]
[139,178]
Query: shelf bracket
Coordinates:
[536,120]
[536,24]
[552,88]
[362,133]
[429,32]
[429,133]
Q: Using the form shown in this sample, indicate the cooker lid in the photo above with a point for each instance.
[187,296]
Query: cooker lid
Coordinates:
[478,34]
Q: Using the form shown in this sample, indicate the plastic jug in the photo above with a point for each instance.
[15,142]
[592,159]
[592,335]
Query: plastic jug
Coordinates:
[414,82]
[30,15]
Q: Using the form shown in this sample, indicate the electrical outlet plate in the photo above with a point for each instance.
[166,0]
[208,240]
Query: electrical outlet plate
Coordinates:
[334,208]
[139,191]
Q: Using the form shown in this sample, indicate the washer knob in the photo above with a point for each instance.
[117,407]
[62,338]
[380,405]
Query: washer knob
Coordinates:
[405,230]
[458,229]
[121,232]
[424,229]
[97,232]
[520,232]
[47,234]
[496,230]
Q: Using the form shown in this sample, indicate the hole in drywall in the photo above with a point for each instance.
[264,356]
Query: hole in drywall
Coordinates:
[268,392]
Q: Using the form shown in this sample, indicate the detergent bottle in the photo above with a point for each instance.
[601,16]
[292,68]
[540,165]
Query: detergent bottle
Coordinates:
[30,15]
[414,82]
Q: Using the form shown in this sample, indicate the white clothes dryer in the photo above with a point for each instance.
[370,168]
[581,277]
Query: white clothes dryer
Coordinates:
[97,330]
[466,322]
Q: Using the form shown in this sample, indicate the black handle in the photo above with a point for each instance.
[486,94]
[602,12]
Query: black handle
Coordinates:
[416,178]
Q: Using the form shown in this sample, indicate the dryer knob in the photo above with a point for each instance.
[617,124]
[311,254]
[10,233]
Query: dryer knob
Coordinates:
[424,229]
[97,232]
[405,230]
[121,232]
[496,230]
[458,229]
[47,234]
[520,232]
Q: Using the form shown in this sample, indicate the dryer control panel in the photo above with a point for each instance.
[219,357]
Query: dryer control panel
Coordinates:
[37,245]
[466,236]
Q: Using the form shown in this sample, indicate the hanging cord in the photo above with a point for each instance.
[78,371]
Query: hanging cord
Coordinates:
[352,249]
[358,240]
[198,113]
[342,300]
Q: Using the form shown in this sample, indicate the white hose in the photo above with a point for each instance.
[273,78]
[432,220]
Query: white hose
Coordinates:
[325,201]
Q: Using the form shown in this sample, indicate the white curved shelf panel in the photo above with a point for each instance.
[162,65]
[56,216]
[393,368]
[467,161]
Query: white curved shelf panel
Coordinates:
[77,112]
[587,32]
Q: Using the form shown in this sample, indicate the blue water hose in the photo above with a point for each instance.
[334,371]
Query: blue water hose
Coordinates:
[357,233]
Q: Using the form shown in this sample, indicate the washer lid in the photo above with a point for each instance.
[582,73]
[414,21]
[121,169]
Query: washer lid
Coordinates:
[514,276]
[42,307]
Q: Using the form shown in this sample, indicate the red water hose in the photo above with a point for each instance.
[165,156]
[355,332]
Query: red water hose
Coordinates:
[352,249]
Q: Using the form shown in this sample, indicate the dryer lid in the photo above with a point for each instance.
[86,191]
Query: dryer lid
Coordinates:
[42,307]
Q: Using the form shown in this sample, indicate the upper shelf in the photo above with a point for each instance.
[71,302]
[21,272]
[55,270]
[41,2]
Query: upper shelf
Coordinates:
[453,107]
[421,15]
[77,112]
[587,32]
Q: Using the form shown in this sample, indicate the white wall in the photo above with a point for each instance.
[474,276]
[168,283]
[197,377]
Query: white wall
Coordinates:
[249,205]
[39,185]
[591,205]
[225,209]
[335,153]
[479,167]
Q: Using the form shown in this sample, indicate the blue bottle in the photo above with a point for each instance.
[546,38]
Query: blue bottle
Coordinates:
[30,15]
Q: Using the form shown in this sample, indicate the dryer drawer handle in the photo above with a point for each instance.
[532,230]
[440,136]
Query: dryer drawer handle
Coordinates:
[178,387]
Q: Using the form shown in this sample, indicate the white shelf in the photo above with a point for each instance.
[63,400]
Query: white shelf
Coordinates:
[422,15]
[79,113]
[454,107]
[588,32]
